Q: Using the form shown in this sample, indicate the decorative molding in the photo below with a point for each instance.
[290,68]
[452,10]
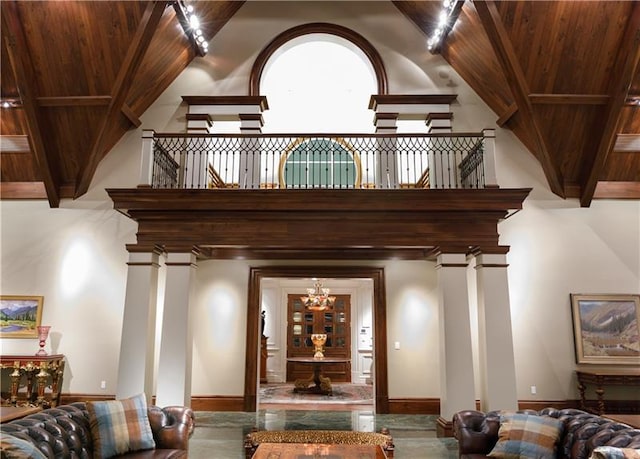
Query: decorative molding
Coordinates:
[217,403]
[318,27]
[411,99]
[260,101]
[444,428]
[414,406]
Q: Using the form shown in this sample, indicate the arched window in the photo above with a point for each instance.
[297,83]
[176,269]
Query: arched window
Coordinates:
[320,163]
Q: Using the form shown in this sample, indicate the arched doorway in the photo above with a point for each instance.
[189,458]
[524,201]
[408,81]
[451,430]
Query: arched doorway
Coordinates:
[256,275]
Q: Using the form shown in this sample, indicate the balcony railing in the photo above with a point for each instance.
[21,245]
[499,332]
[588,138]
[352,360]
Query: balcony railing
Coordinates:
[314,161]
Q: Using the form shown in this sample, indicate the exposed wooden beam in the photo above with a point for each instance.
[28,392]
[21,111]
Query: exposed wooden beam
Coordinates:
[124,80]
[22,190]
[131,116]
[621,79]
[617,190]
[494,28]
[14,41]
[569,99]
[507,115]
[71,101]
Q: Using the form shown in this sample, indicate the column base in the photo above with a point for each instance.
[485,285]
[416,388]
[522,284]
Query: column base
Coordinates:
[444,428]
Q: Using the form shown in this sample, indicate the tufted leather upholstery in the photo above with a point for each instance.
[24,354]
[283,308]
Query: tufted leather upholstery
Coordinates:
[477,432]
[64,432]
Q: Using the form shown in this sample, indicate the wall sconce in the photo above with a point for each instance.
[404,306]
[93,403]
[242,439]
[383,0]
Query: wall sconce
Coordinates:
[191,26]
[446,19]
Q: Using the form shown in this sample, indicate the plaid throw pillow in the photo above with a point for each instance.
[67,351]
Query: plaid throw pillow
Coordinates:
[610,452]
[523,436]
[120,426]
[17,448]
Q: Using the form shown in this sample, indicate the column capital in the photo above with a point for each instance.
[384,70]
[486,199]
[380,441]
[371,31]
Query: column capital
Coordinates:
[144,248]
[451,260]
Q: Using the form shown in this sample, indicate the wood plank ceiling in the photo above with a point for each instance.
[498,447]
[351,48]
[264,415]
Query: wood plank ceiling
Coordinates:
[562,75]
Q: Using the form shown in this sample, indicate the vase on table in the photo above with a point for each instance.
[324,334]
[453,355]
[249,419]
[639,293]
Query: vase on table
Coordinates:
[318,340]
[43,334]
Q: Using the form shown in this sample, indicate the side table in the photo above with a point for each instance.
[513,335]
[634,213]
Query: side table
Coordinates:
[40,371]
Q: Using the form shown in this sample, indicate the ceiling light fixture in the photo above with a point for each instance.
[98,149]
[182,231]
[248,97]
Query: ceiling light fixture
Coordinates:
[10,102]
[191,26]
[318,298]
[447,17]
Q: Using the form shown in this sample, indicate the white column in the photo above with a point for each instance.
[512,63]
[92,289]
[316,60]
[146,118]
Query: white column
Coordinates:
[174,367]
[135,367]
[497,362]
[457,390]
[250,123]
[386,171]
[489,160]
[146,159]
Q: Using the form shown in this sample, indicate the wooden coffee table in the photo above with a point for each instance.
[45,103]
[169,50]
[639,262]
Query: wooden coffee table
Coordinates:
[315,450]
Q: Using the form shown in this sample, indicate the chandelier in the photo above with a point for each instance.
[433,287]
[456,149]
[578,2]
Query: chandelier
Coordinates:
[318,298]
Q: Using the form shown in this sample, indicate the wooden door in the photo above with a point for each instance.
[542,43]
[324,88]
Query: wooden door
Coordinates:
[335,322]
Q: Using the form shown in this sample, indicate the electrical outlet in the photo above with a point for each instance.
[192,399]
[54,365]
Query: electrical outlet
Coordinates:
[534,390]
[396,345]
[103,384]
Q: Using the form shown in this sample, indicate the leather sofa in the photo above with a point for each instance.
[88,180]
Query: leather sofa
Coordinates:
[477,432]
[64,432]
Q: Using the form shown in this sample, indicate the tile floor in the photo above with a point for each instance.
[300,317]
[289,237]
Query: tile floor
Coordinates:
[220,435]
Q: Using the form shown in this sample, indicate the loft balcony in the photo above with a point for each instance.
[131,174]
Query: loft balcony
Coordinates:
[318,161]
[320,196]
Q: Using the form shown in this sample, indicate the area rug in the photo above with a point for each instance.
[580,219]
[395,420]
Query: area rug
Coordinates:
[345,393]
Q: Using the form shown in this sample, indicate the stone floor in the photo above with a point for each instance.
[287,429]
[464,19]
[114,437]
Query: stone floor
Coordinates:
[220,435]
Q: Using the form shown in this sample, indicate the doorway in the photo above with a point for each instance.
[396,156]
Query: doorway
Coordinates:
[376,275]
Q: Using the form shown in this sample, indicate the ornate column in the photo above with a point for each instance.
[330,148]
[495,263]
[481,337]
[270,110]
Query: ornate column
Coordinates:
[497,362]
[135,366]
[435,109]
[244,168]
[174,367]
[457,388]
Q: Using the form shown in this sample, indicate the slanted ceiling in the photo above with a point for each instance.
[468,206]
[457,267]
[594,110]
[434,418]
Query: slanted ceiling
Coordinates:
[562,75]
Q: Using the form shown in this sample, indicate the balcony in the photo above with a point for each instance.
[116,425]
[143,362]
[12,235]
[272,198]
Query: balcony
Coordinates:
[318,161]
[297,196]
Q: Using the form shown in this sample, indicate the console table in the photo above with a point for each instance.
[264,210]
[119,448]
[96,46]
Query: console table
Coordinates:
[322,384]
[602,378]
[39,371]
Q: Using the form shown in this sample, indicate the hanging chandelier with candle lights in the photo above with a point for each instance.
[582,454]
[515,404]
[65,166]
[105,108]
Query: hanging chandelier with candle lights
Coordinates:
[318,298]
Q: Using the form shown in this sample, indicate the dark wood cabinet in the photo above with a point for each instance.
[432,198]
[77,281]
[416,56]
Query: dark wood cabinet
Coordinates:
[334,322]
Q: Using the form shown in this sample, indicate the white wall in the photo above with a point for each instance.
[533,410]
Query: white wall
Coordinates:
[75,256]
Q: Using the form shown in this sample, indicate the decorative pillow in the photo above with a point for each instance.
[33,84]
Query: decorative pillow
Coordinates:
[610,452]
[17,448]
[525,436]
[120,426]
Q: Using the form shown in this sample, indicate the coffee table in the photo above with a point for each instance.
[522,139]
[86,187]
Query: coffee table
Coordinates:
[316,450]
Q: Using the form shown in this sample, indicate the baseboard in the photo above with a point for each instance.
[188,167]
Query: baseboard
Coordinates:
[444,428]
[414,406]
[542,404]
[65,399]
[217,403]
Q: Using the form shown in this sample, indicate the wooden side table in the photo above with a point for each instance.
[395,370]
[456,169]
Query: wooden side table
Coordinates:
[40,371]
[602,378]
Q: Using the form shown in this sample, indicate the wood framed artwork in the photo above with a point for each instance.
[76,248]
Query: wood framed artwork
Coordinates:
[606,329]
[20,316]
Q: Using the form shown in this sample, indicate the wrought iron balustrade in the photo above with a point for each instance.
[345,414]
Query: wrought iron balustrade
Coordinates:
[314,161]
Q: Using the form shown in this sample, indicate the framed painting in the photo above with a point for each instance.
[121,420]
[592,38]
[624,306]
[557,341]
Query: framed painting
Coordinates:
[606,328]
[20,315]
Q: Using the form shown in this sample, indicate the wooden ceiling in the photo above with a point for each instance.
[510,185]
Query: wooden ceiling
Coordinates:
[563,76]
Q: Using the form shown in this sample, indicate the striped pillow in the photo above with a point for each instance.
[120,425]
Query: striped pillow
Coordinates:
[524,436]
[120,426]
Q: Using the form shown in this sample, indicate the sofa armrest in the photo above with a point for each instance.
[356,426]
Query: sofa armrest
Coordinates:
[172,426]
[476,432]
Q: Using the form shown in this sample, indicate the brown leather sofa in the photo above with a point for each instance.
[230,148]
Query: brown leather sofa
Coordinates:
[64,432]
[477,432]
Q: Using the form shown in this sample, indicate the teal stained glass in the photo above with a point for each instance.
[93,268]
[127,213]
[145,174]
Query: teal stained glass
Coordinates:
[320,163]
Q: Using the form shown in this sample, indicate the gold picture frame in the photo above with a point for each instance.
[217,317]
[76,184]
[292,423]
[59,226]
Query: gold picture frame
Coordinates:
[606,328]
[20,316]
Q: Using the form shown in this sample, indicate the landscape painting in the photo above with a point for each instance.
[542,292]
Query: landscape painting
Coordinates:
[19,316]
[606,328]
